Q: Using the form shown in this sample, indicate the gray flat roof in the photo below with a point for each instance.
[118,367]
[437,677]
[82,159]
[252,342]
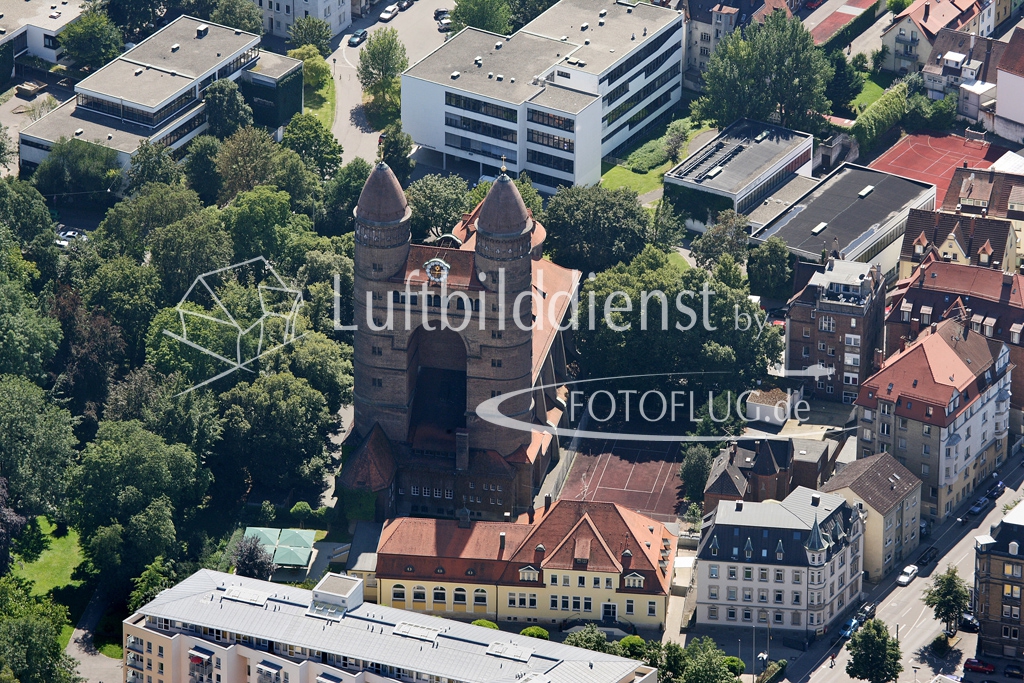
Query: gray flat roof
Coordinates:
[850,219]
[622,32]
[96,127]
[139,85]
[563,99]
[519,59]
[18,13]
[781,199]
[274,66]
[456,650]
[195,55]
[739,154]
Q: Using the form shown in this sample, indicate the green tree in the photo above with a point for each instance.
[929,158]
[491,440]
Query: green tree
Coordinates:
[275,431]
[157,576]
[184,250]
[874,654]
[948,596]
[29,338]
[311,31]
[37,447]
[226,109]
[695,470]
[590,637]
[30,648]
[437,204]
[340,195]
[254,219]
[315,70]
[878,58]
[487,15]
[676,135]
[728,235]
[129,223]
[484,623]
[252,559]
[667,229]
[135,17]
[246,159]
[152,163]
[24,211]
[728,272]
[592,228]
[128,293]
[535,632]
[92,41]
[897,6]
[381,61]
[860,62]
[313,142]
[11,524]
[290,174]
[846,83]
[324,363]
[397,150]
[201,168]
[694,515]
[705,663]
[78,171]
[735,665]
[767,69]
[240,14]
[525,11]
[8,150]
[302,512]
[768,269]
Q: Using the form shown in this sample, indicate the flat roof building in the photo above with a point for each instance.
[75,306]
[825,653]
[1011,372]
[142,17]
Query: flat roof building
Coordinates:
[740,167]
[32,26]
[581,81]
[278,17]
[856,213]
[248,630]
[155,91]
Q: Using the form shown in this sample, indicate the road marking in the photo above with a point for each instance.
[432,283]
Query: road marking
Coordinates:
[344,55]
[907,611]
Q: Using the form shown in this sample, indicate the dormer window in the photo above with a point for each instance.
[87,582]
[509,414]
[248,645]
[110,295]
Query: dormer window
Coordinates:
[918,249]
[634,580]
[529,574]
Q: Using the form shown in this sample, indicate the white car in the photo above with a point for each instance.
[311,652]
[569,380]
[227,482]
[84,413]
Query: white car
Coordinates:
[389,13]
[909,572]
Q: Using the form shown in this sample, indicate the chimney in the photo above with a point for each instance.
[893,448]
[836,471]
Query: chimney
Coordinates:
[927,9]
[547,501]
[739,506]
[732,452]
[915,326]
[965,164]
[501,540]
[879,358]
[508,516]
[934,327]
[1008,279]
[529,514]
[463,515]
[461,450]
[973,37]
[815,499]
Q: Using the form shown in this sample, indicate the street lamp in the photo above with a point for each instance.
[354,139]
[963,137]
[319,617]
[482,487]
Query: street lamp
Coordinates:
[334,64]
[915,668]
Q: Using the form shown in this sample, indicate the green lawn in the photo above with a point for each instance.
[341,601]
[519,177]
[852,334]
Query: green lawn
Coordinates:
[874,86]
[619,176]
[56,563]
[321,102]
[675,258]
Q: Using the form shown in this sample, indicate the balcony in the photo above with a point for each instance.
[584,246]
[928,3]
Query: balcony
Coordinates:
[134,644]
[903,39]
[135,662]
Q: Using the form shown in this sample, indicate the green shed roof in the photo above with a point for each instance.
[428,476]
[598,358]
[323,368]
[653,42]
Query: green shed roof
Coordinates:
[296,538]
[286,556]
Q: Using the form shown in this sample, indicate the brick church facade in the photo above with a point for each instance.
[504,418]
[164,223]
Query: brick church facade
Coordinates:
[422,368]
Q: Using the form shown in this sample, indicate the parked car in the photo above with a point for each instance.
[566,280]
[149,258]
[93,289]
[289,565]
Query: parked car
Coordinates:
[357,38]
[814,4]
[849,628]
[440,13]
[909,572]
[404,4]
[867,611]
[389,13]
[996,490]
[1013,671]
[445,25]
[969,623]
[979,506]
[979,666]
[71,235]
[928,556]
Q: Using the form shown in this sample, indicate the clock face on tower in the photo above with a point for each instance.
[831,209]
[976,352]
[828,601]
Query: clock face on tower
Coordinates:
[437,270]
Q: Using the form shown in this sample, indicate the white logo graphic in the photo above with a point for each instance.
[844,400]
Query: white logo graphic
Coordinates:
[255,340]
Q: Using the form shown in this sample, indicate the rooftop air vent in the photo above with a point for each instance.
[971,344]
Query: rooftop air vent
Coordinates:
[512,80]
[79,132]
[713,172]
[584,26]
[175,47]
[110,136]
[819,228]
[600,22]
[565,38]
[602,13]
[866,191]
[479,60]
[497,45]
[499,77]
[455,74]
[587,41]
[581,64]
[139,71]
[761,136]
[202,30]
[490,74]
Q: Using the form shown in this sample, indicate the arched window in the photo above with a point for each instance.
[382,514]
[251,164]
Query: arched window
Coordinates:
[440,594]
[419,594]
[459,596]
[480,597]
[398,592]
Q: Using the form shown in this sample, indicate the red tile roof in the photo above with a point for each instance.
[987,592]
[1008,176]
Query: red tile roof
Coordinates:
[371,467]
[1013,59]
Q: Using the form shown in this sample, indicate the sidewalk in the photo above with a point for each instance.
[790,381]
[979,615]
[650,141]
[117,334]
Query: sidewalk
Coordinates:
[92,666]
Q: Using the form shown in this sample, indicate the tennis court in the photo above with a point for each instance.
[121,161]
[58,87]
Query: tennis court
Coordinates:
[637,475]
[932,158]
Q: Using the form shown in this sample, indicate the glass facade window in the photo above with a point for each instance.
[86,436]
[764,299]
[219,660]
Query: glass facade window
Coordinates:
[480,107]
[479,127]
[643,53]
[547,180]
[238,62]
[550,160]
[550,120]
[549,140]
[478,147]
[183,130]
[641,95]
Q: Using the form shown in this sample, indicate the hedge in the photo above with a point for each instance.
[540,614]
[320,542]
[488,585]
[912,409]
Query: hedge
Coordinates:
[773,672]
[886,112]
[854,28]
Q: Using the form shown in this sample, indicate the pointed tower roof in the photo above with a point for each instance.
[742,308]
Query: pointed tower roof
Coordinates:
[382,199]
[503,212]
[815,542]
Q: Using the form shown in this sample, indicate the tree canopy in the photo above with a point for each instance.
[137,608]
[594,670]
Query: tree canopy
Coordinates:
[92,41]
[311,31]
[874,654]
[381,61]
[226,109]
[396,152]
[240,14]
[766,69]
[313,142]
[591,228]
[200,168]
[152,163]
[437,204]
[79,171]
[487,15]
[948,596]
[727,235]
[768,269]
[315,70]
[252,559]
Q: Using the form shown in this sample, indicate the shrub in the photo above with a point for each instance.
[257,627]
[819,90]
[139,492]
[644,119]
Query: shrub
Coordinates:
[535,632]
[885,113]
[735,665]
[485,624]
[649,155]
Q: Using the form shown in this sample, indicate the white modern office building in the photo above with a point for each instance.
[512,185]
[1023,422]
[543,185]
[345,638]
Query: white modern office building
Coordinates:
[279,15]
[222,628]
[582,81]
[32,27]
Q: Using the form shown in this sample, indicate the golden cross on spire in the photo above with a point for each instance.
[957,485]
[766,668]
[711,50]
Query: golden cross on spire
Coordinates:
[502,163]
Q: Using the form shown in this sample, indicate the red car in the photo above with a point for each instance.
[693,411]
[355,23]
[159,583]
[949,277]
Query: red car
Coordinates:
[814,4]
[979,666]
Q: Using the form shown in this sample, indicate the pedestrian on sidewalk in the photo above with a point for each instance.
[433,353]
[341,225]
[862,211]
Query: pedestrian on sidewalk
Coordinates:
[832,661]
